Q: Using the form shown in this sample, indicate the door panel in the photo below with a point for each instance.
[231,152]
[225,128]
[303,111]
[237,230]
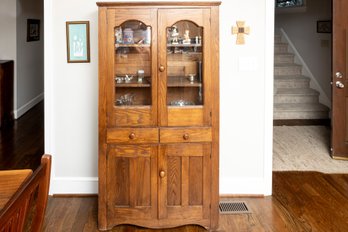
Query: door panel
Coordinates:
[184,67]
[132,182]
[339,138]
[185,181]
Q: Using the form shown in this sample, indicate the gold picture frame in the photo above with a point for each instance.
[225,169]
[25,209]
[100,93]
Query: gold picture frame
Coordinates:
[78,45]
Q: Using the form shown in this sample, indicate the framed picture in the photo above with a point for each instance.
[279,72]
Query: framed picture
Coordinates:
[77,36]
[33,30]
[324,26]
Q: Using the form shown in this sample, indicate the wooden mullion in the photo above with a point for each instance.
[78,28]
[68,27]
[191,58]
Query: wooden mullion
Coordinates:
[185,161]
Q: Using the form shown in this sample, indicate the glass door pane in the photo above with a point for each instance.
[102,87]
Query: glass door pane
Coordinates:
[132,64]
[184,64]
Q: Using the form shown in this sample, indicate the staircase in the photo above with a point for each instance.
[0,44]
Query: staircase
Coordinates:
[293,98]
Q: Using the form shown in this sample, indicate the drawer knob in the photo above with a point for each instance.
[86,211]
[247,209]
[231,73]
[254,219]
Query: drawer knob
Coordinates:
[132,135]
[162,68]
[186,136]
[162,174]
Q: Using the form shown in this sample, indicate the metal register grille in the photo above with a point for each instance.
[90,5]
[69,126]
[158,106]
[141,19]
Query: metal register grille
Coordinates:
[232,207]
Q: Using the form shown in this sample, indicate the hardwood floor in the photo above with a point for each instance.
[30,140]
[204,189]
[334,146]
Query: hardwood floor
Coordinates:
[22,144]
[302,201]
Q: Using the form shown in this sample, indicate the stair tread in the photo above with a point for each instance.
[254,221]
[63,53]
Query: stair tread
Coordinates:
[283,54]
[304,107]
[281,65]
[296,91]
[291,78]
[280,43]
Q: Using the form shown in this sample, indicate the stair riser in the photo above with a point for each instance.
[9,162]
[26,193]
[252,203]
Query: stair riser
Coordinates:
[291,84]
[278,48]
[277,38]
[296,98]
[300,115]
[287,71]
[283,59]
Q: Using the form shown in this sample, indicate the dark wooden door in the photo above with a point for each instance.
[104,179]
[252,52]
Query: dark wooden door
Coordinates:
[340,80]
[185,183]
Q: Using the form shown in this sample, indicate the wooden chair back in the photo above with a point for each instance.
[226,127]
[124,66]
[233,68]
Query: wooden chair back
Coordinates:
[25,210]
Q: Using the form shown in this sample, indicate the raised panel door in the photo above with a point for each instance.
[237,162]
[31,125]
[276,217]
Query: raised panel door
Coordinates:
[185,183]
[131,183]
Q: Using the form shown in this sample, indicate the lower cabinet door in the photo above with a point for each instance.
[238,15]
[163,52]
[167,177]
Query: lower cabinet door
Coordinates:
[131,184]
[185,183]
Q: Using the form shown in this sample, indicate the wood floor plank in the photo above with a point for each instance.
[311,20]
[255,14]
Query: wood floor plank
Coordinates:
[22,144]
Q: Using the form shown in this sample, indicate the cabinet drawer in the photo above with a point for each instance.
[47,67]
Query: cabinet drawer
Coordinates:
[132,135]
[189,134]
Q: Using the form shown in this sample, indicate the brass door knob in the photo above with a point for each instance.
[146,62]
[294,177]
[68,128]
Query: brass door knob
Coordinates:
[186,136]
[339,85]
[162,174]
[339,75]
[162,68]
[132,135]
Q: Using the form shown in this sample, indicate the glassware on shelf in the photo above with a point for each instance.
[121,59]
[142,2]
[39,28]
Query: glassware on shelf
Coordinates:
[126,99]
[181,103]
[118,35]
[140,75]
[128,36]
[148,35]
[191,78]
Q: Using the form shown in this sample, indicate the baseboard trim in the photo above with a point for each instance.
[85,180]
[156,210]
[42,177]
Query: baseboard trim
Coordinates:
[302,122]
[74,185]
[222,196]
[23,109]
[244,187]
[74,195]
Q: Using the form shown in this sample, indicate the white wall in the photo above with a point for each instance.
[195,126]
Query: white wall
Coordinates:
[30,58]
[8,33]
[8,30]
[301,29]
[246,100]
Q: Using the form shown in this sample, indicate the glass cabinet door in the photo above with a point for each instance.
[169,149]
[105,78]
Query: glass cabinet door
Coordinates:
[131,68]
[184,67]
[132,64]
[184,64]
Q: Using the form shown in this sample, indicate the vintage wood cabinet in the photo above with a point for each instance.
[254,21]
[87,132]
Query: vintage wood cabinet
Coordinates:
[158,114]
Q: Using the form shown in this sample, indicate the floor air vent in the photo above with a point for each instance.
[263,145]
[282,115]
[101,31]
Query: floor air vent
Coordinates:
[232,207]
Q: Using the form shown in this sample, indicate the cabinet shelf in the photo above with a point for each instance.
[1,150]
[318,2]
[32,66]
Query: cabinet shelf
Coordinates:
[132,84]
[182,82]
[132,45]
[184,45]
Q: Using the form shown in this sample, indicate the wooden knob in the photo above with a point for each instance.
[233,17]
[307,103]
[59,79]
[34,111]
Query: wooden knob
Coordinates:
[162,68]
[186,136]
[132,135]
[162,174]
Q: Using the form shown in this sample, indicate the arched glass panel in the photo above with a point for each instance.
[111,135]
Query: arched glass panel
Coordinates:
[132,64]
[184,64]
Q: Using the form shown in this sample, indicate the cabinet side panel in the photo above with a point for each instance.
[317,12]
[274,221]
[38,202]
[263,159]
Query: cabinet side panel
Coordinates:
[102,73]
[215,116]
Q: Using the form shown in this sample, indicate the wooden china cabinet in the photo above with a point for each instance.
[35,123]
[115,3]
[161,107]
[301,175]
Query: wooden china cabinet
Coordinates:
[158,114]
